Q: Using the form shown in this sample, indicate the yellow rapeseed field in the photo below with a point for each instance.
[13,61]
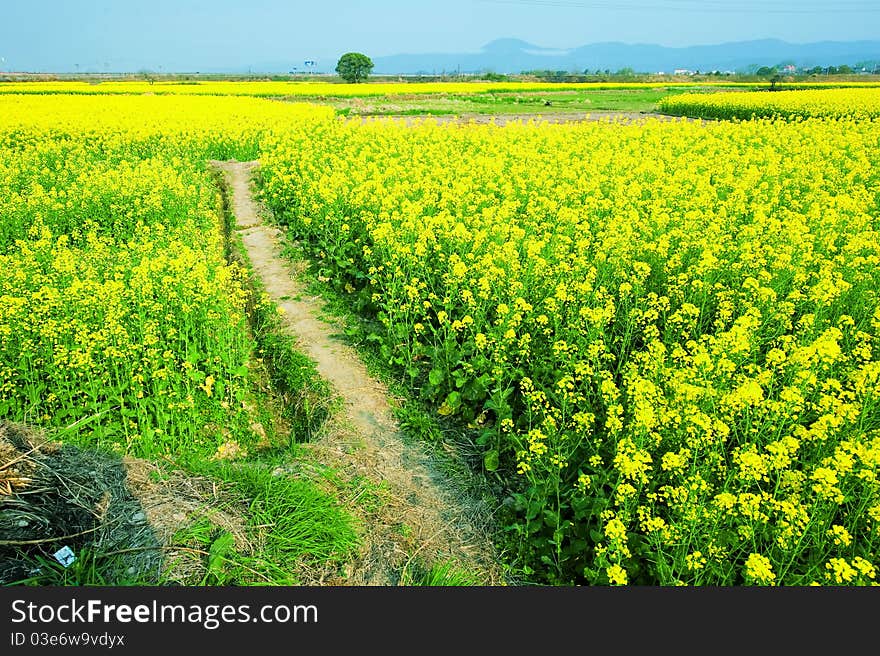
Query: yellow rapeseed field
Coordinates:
[664,334]
[859,103]
[661,335]
[118,311]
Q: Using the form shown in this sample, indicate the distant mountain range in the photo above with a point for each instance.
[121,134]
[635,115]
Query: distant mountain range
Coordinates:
[516,56]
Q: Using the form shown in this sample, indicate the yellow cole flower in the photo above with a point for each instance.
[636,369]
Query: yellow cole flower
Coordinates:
[759,569]
[839,571]
[616,575]
[840,535]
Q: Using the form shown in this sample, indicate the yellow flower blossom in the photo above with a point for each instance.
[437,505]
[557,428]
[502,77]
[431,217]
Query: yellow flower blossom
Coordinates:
[759,569]
[616,575]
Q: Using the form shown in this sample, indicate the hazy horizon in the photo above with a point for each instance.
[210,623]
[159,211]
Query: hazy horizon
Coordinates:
[192,35]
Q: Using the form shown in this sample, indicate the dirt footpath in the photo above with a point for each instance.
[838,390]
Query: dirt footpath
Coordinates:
[418,513]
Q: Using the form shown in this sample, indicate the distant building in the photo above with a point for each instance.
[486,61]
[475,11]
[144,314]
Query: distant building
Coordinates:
[683,71]
[789,69]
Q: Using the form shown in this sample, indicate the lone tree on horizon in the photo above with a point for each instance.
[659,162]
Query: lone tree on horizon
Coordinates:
[354,67]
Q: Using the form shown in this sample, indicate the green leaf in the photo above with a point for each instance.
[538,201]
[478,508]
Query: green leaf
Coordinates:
[436,377]
[490,460]
[485,435]
[220,547]
[534,509]
[460,378]
[453,400]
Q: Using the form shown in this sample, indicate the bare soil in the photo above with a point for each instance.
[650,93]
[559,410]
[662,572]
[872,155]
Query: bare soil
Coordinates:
[555,118]
[419,513]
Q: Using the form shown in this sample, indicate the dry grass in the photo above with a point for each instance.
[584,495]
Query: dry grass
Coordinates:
[400,524]
[173,501]
[54,495]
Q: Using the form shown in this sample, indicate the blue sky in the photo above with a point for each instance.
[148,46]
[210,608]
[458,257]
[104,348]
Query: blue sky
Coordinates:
[191,35]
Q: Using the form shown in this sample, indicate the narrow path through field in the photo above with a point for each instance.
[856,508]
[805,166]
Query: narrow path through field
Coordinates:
[418,514]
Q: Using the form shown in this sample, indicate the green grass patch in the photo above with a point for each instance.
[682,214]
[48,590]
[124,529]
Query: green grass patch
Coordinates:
[445,574]
[515,102]
[302,528]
